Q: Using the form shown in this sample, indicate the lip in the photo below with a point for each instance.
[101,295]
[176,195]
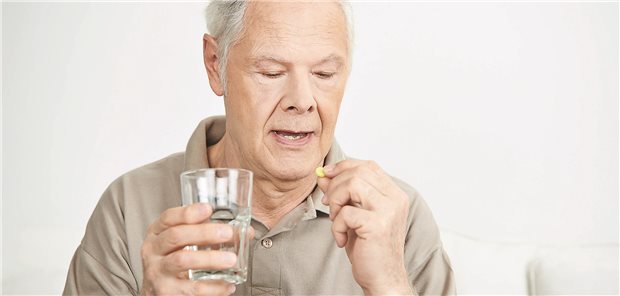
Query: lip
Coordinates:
[292,143]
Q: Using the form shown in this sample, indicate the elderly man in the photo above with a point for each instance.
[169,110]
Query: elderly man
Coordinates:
[282,68]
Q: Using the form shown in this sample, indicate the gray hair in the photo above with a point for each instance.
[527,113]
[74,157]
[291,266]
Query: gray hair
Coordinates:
[225,24]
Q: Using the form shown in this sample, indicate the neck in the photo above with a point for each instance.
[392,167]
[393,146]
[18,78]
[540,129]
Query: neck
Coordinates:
[272,198]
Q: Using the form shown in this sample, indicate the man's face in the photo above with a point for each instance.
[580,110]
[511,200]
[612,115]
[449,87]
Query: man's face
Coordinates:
[286,79]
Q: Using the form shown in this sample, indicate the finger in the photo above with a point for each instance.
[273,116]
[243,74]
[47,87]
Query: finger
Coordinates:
[379,178]
[351,188]
[192,214]
[177,237]
[334,169]
[351,218]
[182,260]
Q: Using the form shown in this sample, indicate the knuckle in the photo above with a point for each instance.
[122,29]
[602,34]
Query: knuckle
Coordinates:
[165,219]
[178,260]
[173,236]
[347,214]
[354,218]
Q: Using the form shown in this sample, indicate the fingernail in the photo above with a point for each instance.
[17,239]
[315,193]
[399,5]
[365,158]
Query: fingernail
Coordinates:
[324,199]
[232,289]
[329,168]
[225,232]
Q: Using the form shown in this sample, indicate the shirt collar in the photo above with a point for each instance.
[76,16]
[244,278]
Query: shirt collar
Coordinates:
[211,130]
[334,155]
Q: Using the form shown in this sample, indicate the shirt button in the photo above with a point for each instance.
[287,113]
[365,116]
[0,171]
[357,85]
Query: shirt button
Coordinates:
[267,243]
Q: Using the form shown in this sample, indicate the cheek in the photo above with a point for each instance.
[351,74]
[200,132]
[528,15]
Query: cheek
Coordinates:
[253,103]
[329,115]
[329,107]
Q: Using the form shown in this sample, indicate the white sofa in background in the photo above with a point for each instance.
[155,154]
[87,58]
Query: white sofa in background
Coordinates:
[484,267]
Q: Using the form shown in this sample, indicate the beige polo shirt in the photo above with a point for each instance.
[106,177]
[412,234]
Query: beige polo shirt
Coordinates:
[298,256]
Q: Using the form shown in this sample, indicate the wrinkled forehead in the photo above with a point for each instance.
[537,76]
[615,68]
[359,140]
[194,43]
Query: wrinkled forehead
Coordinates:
[295,24]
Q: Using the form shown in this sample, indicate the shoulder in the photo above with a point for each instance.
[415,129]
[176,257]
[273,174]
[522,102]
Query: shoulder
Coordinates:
[148,190]
[141,194]
[151,174]
[144,187]
[153,179]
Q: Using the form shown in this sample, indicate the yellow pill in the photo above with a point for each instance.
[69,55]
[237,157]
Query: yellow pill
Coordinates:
[320,172]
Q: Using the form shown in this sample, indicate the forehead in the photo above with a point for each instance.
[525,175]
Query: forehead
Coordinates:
[295,27]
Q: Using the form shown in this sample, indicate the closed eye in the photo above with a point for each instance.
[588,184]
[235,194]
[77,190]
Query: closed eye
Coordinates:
[272,75]
[324,75]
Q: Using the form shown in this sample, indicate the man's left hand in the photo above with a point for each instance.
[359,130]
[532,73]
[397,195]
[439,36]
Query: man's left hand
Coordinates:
[369,214]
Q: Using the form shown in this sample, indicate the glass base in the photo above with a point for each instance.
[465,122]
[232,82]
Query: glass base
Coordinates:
[232,276]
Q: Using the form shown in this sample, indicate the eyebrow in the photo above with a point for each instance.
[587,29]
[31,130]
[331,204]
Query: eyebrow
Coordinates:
[332,58]
[256,61]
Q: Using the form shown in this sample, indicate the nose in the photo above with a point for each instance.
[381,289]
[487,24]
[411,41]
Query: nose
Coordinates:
[299,98]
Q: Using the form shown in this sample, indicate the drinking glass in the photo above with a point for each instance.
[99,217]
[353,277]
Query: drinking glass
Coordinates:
[229,192]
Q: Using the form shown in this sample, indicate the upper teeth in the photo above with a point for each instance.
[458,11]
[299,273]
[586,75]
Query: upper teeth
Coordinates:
[291,136]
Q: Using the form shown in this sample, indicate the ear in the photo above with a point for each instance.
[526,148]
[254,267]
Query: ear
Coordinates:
[209,50]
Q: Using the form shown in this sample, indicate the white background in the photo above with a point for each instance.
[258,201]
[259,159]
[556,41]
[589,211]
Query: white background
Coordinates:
[503,115]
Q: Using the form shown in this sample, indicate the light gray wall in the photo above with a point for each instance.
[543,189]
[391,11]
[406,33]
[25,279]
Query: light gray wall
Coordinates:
[503,115]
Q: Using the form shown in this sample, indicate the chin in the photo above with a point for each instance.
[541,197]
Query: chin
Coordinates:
[291,171]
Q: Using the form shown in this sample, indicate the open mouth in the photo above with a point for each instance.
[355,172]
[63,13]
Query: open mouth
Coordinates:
[292,137]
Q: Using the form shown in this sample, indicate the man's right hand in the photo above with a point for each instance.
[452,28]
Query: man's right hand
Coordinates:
[165,262]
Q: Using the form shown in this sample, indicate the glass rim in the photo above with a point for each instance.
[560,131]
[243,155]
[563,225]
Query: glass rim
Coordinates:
[194,172]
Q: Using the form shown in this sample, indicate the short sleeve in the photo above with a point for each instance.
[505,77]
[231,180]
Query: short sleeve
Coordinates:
[100,265]
[428,266]
[87,276]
